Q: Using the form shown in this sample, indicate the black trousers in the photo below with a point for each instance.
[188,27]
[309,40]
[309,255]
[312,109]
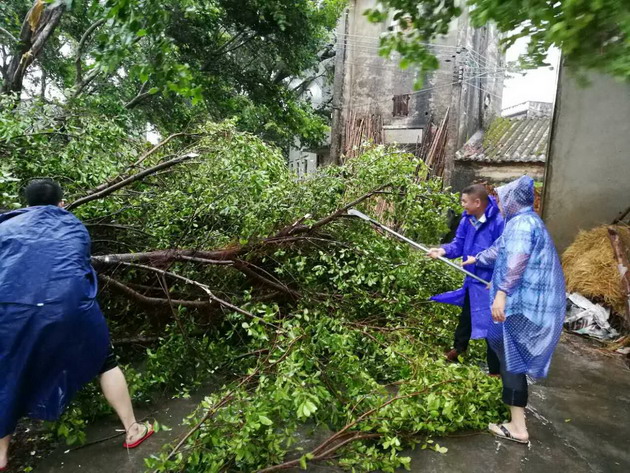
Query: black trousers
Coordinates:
[514,389]
[462,337]
[111,361]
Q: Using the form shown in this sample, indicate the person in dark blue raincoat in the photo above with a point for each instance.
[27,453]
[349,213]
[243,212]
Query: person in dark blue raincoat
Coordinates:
[53,336]
[529,301]
[480,226]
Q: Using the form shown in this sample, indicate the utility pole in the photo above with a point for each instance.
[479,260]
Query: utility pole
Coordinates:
[337,125]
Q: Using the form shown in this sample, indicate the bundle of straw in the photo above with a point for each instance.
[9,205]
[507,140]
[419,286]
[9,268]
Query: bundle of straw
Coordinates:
[590,267]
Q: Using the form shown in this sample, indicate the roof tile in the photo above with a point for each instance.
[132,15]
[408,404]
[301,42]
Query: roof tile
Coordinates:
[509,140]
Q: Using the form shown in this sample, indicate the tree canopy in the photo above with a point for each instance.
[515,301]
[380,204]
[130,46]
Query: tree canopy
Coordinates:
[174,62]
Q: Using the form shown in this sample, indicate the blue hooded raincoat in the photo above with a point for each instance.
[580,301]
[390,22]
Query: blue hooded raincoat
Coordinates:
[527,268]
[53,336]
[469,241]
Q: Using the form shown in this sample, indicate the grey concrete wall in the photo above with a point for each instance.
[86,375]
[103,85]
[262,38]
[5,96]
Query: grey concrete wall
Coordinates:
[371,81]
[588,169]
[467,172]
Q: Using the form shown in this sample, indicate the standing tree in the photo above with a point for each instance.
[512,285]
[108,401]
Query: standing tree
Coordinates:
[173,62]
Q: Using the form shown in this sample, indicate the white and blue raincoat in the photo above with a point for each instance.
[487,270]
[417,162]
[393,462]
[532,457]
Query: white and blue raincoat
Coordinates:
[527,268]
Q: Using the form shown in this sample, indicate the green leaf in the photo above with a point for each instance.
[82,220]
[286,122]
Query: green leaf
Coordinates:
[265,420]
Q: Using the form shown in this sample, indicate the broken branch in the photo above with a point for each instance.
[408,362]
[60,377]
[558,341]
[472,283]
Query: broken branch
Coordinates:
[129,180]
[38,26]
[343,436]
[204,288]
[152,302]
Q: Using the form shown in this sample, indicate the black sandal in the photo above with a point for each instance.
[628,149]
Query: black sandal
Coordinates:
[505,434]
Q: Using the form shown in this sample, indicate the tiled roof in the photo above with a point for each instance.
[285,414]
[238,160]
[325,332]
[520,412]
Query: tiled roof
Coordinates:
[509,140]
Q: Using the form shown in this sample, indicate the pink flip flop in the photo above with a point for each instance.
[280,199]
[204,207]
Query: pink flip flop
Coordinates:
[137,443]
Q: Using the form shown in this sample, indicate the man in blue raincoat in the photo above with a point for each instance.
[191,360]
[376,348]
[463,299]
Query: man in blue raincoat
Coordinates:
[529,301]
[53,336]
[480,226]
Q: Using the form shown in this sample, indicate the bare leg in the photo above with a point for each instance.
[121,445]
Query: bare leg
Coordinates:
[116,392]
[517,425]
[4,450]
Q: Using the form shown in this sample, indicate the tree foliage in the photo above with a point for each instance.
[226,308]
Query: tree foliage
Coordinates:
[592,34]
[309,318]
[215,256]
[173,61]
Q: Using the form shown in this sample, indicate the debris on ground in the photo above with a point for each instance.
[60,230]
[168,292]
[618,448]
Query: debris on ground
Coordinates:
[586,318]
[592,270]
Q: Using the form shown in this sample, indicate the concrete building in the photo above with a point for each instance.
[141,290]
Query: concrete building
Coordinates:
[374,90]
[587,180]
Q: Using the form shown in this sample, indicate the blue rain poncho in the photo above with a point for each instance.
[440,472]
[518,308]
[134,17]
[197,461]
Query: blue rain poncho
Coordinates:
[528,270]
[469,241]
[53,336]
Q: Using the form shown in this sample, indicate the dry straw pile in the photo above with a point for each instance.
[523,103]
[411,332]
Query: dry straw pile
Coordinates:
[590,267]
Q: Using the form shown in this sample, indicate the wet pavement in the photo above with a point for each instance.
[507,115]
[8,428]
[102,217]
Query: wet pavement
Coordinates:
[579,421]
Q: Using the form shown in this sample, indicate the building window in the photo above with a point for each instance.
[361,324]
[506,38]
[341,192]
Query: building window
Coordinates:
[487,101]
[401,105]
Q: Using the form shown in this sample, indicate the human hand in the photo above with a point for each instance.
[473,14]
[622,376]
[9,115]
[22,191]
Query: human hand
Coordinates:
[469,260]
[436,252]
[498,307]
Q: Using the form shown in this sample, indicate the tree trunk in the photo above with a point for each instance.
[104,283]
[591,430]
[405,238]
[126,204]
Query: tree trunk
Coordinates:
[38,26]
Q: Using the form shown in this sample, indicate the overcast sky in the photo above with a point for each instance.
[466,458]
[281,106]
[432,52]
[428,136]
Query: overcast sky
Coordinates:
[537,84]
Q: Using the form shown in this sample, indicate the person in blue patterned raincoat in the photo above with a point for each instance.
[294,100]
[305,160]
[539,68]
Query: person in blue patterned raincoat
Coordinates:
[529,301]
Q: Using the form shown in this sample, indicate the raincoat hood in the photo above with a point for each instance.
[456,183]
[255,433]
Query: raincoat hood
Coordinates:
[492,210]
[516,196]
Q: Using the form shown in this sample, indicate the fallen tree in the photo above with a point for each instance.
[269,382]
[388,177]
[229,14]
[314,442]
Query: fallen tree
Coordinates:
[231,262]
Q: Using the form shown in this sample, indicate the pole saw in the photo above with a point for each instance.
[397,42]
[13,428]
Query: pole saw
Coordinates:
[362,216]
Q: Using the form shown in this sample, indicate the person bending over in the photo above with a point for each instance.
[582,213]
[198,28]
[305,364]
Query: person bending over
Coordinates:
[53,336]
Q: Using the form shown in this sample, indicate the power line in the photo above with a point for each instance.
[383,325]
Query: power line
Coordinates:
[350,39]
[473,59]
[353,45]
[423,91]
[378,38]
[483,90]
